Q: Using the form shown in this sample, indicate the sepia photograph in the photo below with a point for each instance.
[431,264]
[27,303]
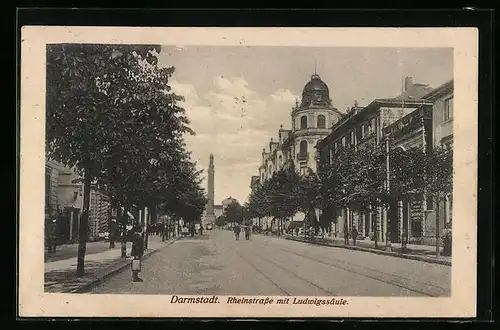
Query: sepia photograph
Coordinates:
[227,175]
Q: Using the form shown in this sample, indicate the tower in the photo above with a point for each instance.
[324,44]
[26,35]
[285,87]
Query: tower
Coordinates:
[312,120]
[210,215]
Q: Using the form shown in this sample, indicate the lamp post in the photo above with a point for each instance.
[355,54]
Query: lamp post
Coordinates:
[388,246]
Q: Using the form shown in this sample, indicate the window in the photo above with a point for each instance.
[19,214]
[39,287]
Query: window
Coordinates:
[371,129]
[280,161]
[303,122]
[448,109]
[303,147]
[321,121]
[343,141]
[270,170]
[429,202]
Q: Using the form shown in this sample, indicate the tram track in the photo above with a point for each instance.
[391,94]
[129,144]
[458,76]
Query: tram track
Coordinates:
[363,271]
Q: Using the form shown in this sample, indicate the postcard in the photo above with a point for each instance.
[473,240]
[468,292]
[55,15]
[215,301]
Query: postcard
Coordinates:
[248,172]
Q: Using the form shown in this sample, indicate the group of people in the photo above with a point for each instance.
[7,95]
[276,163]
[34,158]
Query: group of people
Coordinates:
[237,230]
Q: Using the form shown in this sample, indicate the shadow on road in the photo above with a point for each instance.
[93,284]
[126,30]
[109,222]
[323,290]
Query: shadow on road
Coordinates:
[66,280]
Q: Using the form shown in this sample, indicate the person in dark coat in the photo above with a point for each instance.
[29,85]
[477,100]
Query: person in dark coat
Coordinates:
[354,235]
[346,234]
[237,230]
[247,233]
[137,251]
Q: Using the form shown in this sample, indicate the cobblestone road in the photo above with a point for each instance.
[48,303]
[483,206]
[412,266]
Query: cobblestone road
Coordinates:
[218,264]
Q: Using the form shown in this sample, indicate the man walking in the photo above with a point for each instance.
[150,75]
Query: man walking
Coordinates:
[137,253]
[237,230]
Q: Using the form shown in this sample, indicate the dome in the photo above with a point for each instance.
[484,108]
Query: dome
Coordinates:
[315,93]
[316,84]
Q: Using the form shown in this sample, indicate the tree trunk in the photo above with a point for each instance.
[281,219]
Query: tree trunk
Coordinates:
[123,242]
[437,230]
[111,227]
[147,223]
[84,224]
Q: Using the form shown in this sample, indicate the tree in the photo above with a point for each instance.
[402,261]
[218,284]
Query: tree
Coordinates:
[234,213]
[258,204]
[81,126]
[439,180]
[220,221]
[282,195]
[308,197]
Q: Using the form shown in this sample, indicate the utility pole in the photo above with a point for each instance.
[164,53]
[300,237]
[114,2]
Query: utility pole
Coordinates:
[388,246]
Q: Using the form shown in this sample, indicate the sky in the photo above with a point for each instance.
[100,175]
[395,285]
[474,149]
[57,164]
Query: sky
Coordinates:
[236,97]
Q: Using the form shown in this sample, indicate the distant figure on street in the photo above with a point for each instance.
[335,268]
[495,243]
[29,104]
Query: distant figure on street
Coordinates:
[237,230]
[137,253]
[247,233]
[354,235]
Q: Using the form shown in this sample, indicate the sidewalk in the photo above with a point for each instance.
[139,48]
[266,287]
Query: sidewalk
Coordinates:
[67,251]
[60,274]
[423,253]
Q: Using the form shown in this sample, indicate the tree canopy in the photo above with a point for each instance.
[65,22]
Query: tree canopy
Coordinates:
[112,116]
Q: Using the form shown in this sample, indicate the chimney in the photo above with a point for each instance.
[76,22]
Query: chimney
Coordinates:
[408,83]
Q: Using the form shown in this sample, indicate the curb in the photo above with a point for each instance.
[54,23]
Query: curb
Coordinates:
[98,279]
[387,253]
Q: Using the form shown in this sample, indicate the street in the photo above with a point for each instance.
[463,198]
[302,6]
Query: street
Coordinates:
[218,264]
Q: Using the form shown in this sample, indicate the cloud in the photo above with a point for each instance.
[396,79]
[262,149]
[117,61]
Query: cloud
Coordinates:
[233,122]
[283,95]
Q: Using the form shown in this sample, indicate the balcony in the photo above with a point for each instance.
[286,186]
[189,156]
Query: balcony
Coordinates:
[303,156]
[311,131]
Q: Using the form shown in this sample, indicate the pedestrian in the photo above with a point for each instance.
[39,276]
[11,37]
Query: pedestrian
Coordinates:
[354,235]
[137,253]
[247,233]
[237,230]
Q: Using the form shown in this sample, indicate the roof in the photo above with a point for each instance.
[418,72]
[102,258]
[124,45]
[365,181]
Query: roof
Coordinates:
[357,112]
[316,84]
[438,91]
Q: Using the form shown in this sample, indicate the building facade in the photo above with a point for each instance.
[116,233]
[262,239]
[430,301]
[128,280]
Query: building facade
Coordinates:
[64,203]
[442,110]
[311,120]
[100,214]
[363,127]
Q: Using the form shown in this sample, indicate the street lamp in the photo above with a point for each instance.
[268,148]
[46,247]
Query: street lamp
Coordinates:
[388,246]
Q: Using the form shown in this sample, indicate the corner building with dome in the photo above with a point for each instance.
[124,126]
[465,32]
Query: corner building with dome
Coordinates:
[311,121]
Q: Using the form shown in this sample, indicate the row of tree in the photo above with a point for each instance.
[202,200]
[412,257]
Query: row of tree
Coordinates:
[112,116]
[356,179]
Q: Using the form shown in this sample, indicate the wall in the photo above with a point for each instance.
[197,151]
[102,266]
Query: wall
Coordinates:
[442,128]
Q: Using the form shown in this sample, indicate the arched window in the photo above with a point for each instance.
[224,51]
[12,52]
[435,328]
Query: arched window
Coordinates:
[280,160]
[321,121]
[303,147]
[303,122]
[270,170]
